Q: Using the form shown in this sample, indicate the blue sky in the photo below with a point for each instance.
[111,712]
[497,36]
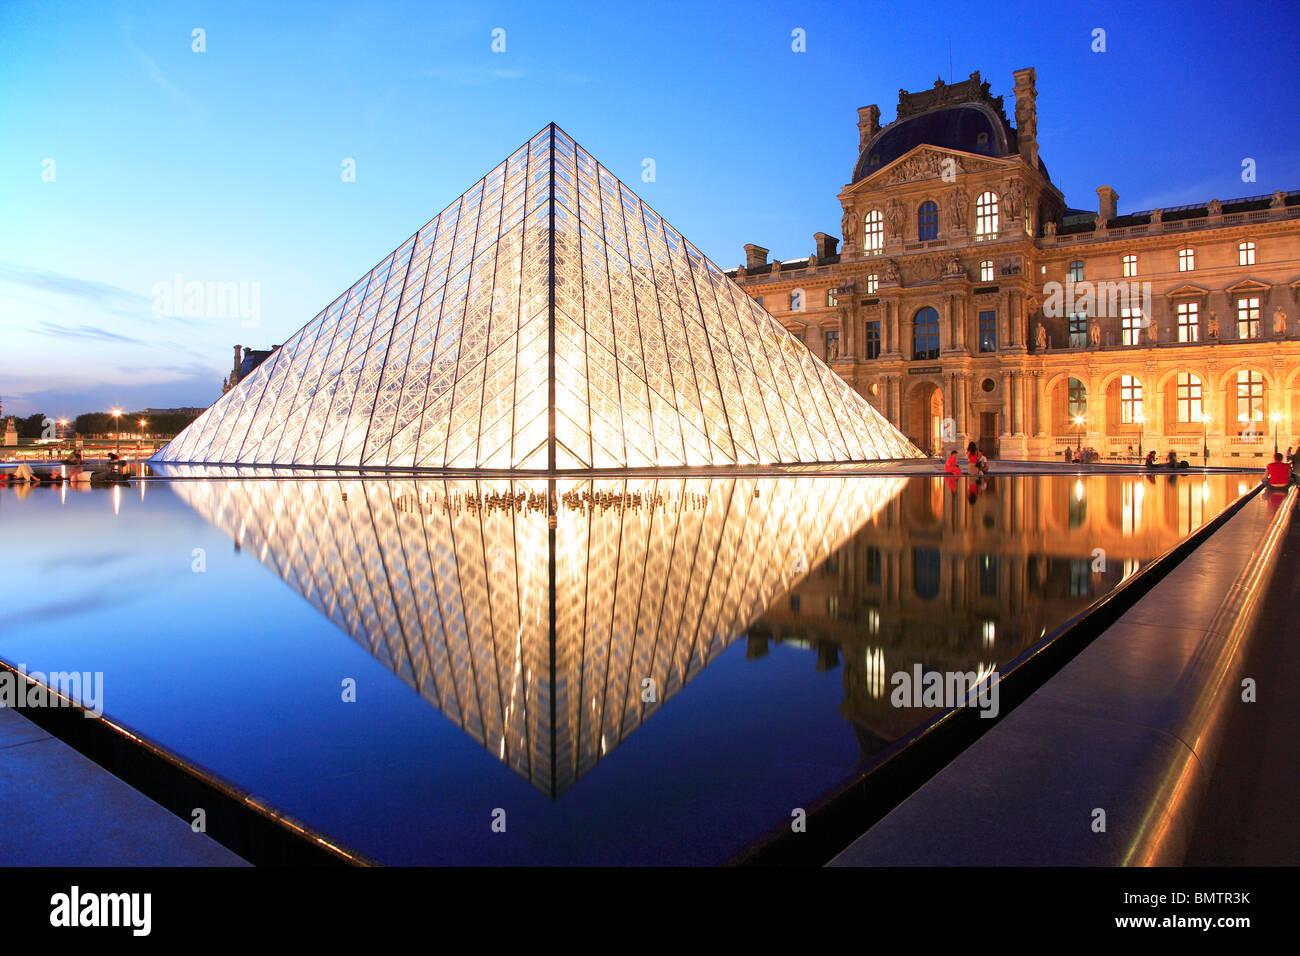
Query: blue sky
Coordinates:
[225,166]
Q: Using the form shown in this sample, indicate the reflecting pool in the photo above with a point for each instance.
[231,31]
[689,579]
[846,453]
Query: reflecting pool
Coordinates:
[660,674]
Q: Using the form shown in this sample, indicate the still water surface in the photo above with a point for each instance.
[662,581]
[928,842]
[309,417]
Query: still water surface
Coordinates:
[661,677]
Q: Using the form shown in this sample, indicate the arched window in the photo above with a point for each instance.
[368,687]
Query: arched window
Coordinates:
[797,303]
[927,221]
[1077,400]
[873,233]
[1190,407]
[1250,399]
[925,334]
[986,216]
[1130,400]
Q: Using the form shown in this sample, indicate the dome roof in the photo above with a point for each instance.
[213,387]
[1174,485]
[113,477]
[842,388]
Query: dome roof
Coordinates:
[969,127]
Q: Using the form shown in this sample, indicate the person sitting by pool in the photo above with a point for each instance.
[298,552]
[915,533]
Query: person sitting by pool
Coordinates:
[1277,474]
[1151,459]
[950,467]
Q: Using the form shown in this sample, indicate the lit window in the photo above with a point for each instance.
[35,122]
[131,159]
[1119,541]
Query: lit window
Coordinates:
[988,331]
[1248,317]
[1130,323]
[796,300]
[1246,253]
[1189,323]
[873,233]
[873,340]
[1130,266]
[927,221]
[1077,399]
[986,270]
[986,216]
[1189,398]
[1076,270]
[1186,260]
[1078,330]
[925,326]
[832,345]
[1130,400]
[873,284]
[831,299]
[1250,400]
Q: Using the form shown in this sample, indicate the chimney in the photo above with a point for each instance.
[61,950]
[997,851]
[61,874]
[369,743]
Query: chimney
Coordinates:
[868,124]
[755,256]
[237,357]
[826,245]
[1106,202]
[1027,116]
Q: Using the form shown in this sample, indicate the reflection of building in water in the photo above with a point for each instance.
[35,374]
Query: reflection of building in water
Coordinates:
[956,584]
[539,642]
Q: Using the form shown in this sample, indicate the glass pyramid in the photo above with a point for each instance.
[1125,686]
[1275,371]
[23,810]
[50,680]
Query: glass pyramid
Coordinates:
[547,320]
[536,640]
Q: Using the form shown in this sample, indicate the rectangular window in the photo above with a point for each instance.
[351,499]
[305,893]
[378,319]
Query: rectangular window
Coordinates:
[873,284]
[1130,266]
[1246,254]
[1076,270]
[1189,322]
[832,345]
[988,331]
[986,270]
[1186,260]
[1189,398]
[1248,317]
[1130,400]
[873,340]
[1078,330]
[831,299]
[1130,324]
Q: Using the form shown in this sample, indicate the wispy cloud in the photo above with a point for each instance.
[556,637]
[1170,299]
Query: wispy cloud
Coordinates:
[483,75]
[102,295]
[83,332]
[157,76]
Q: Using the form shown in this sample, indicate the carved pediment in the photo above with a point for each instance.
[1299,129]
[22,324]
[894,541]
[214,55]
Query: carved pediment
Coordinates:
[1248,285]
[926,162]
[1186,290]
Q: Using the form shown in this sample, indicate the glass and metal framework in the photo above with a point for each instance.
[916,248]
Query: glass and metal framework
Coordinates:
[536,638]
[547,320]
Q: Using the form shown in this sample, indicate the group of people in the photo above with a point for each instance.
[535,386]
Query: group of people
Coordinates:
[979,465]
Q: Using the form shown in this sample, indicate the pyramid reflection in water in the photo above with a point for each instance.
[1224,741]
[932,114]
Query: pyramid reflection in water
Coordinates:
[547,320]
[459,601]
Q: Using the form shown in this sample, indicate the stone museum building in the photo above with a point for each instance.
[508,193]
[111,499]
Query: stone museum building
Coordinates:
[966,299]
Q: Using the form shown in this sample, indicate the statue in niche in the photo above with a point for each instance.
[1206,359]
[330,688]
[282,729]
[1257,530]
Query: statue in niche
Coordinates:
[1094,334]
[957,211]
[891,271]
[1049,228]
[1213,327]
[1040,337]
[894,217]
[1014,198]
[1279,322]
[954,265]
[849,227]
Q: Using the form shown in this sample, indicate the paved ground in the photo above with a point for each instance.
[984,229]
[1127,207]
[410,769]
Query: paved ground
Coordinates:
[61,809]
[1252,809]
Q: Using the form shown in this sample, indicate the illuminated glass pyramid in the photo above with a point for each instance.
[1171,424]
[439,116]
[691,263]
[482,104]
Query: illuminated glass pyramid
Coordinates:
[547,320]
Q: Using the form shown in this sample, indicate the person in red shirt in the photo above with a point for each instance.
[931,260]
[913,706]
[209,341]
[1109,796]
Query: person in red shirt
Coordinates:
[1277,474]
[950,467]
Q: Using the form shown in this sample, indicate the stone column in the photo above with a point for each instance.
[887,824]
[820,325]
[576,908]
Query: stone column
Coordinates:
[1044,406]
[1006,402]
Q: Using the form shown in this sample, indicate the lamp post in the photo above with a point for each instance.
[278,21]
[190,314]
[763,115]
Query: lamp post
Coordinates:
[117,431]
[1205,437]
[1276,417]
[140,441]
[1078,422]
[1141,422]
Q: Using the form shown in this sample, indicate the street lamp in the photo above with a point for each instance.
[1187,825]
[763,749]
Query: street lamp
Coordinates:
[140,441]
[1141,423]
[1205,437]
[1276,417]
[1078,421]
[117,413]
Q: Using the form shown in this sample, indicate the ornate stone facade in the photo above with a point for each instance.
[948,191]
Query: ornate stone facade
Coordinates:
[969,302]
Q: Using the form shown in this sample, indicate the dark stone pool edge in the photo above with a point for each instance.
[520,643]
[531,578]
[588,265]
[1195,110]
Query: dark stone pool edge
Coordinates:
[236,819]
[847,814]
